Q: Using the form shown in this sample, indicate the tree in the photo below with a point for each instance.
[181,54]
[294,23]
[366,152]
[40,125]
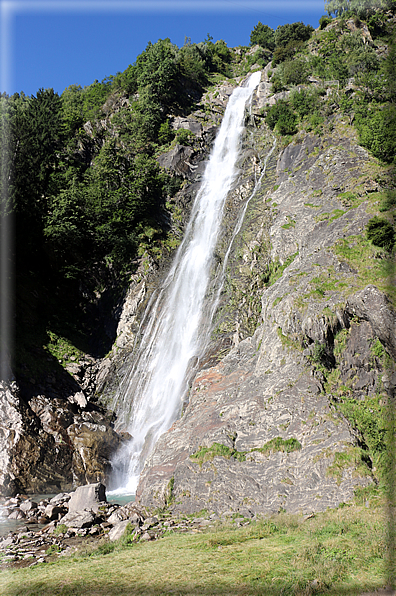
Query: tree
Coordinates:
[263,36]
[294,72]
[157,67]
[38,133]
[192,63]
[361,8]
[292,33]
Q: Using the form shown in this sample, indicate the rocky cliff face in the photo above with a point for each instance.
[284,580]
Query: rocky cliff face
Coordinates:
[52,443]
[303,308]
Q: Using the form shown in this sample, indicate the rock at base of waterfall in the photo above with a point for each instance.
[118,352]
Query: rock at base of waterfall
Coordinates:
[89,496]
[118,531]
[78,519]
[52,511]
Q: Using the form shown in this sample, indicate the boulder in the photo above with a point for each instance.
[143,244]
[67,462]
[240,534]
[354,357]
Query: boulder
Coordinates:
[17,514]
[60,498]
[188,124]
[28,505]
[78,519]
[89,496]
[117,516]
[93,440]
[54,511]
[118,531]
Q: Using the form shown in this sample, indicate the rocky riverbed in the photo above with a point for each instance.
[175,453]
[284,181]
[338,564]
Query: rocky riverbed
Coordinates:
[68,522]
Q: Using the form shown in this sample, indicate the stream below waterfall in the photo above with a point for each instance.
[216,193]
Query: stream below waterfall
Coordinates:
[151,394]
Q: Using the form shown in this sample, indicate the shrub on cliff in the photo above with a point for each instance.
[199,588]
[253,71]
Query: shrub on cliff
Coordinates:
[292,32]
[294,72]
[324,21]
[377,132]
[305,101]
[282,118]
[381,233]
[263,36]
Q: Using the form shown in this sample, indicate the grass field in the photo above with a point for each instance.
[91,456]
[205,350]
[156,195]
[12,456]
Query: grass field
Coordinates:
[347,551]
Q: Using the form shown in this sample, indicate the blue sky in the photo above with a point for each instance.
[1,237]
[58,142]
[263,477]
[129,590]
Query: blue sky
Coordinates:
[57,43]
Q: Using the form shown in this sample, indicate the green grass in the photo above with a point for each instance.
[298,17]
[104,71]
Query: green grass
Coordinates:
[275,269]
[329,217]
[290,223]
[372,264]
[62,349]
[334,553]
[205,454]
[279,444]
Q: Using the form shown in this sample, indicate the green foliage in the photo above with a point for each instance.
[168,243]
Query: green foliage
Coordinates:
[286,52]
[360,57]
[304,102]
[318,352]
[277,83]
[184,137]
[377,349]
[389,71]
[105,548]
[377,132]
[205,454]
[52,550]
[263,36]
[324,21]
[292,32]
[60,529]
[352,457]
[156,70]
[260,57]
[361,8]
[388,202]
[93,98]
[192,63]
[370,420]
[62,349]
[275,270]
[381,233]
[72,109]
[294,72]
[165,133]
[282,118]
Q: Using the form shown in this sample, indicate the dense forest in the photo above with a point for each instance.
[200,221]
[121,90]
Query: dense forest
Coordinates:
[80,177]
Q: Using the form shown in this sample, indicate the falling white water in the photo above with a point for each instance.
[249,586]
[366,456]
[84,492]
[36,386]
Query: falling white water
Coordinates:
[151,395]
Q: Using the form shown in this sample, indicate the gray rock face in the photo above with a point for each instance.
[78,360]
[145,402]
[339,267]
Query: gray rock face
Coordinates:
[188,124]
[177,160]
[47,443]
[228,451]
[243,404]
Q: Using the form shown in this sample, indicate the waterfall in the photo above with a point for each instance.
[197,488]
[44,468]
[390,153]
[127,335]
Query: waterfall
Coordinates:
[150,397]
